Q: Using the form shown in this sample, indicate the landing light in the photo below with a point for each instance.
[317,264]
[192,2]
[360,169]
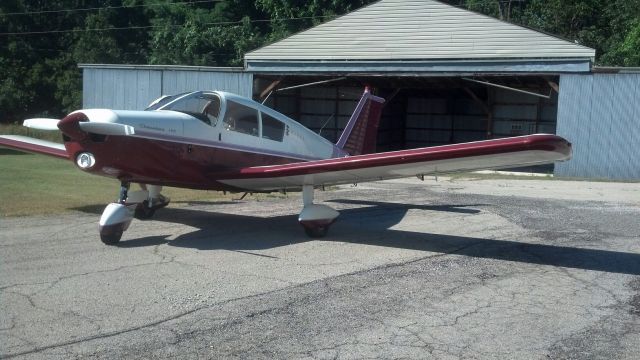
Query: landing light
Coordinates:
[85,160]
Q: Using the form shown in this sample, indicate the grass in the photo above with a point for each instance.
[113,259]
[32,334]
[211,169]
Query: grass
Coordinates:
[40,185]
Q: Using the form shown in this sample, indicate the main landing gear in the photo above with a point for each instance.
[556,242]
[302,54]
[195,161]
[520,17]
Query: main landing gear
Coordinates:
[314,218]
[141,204]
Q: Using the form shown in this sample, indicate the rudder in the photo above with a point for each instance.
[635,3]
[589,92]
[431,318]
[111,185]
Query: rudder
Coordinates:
[360,134]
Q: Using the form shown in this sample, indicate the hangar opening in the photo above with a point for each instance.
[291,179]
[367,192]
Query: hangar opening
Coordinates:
[419,111]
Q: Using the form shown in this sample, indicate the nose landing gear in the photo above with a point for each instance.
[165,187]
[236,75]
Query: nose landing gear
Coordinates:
[117,217]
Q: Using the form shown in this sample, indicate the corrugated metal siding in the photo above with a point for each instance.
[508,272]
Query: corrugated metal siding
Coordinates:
[134,89]
[418,29]
[120,89]
[600,115]
[180,81]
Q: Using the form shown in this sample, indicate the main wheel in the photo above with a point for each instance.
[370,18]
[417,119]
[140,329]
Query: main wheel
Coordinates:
[316,232]
[143,211]
[111,238]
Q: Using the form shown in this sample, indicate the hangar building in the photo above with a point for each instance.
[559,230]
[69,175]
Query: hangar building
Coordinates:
[449,75]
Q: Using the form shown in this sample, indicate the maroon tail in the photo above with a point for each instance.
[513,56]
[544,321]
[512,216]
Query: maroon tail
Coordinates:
[360,135]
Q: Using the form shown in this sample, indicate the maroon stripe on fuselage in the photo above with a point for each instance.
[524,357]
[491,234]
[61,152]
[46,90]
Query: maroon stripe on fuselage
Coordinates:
[489,147]
[158,162]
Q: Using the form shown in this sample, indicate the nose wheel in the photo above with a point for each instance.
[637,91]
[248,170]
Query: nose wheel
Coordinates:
[111,237]
[116,218]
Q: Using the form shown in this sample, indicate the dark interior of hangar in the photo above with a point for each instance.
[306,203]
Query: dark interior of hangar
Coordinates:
[419,111]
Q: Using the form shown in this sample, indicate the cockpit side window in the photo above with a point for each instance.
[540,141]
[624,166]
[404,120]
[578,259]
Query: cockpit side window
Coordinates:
[205,107]
[241,118]
[272,129]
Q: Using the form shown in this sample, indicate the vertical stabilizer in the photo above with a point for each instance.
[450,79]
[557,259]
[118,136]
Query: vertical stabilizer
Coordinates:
[360,134]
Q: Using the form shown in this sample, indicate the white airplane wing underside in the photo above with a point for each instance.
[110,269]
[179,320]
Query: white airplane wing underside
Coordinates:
[489,154]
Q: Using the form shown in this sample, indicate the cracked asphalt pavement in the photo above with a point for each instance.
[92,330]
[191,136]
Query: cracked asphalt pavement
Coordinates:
[489,269]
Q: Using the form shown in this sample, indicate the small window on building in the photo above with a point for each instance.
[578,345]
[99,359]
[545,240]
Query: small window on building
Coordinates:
[240,118]
[272,129]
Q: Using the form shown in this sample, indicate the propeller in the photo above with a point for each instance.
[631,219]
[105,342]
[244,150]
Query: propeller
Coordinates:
[42,123]
[107,128]
[103,128]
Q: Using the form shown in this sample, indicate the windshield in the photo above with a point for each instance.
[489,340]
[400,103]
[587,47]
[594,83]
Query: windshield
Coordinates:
[203,106]
[162,100]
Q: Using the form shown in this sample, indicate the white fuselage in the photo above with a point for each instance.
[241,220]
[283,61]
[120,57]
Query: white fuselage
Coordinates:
[296,141]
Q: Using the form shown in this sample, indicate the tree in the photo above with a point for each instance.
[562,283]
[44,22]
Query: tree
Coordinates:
[203,34]
[290,16]
[605,25]
[626,53]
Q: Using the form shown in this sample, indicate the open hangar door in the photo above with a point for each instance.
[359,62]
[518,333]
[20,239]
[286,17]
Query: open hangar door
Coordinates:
[420,111]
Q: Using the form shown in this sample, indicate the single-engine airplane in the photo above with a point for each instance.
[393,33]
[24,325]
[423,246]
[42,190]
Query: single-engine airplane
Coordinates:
[220,141]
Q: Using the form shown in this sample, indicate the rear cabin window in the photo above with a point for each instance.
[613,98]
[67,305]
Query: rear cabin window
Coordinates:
[272,129]
[240,118]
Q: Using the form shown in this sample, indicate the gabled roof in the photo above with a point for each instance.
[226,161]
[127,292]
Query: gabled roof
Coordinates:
[397,30]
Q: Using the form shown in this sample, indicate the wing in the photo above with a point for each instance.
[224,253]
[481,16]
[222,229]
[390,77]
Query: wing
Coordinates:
[32,145]
[489,154]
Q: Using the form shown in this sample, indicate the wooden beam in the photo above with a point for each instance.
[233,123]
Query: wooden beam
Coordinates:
[270,88]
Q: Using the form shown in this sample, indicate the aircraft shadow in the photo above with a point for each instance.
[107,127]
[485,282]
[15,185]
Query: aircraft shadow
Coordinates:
[97,209]
[372,226]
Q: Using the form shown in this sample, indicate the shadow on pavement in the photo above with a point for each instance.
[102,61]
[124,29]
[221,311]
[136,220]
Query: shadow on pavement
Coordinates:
[371,226]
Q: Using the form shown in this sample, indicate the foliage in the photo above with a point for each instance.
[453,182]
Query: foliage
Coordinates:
[609,26]
[39,75]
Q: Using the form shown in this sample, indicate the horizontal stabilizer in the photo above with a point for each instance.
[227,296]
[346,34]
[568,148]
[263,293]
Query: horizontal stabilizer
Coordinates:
[41,123]
[27,144]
